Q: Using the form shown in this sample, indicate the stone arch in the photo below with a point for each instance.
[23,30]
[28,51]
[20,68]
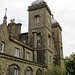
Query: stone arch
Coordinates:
[0,70]
[28,71]
[39,72]
[11,68]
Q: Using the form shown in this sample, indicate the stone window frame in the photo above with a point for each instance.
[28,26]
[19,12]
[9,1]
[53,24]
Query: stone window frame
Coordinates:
[28,56]
[38,39]
[28,69]
[37,19]
[18,50]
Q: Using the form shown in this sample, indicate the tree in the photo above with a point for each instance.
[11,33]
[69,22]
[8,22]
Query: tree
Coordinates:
[70,64]
[56,71]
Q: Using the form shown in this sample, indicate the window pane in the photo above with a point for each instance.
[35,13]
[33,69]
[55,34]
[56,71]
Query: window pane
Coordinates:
[28,56]
[38,39]
[37,19]
[2,47]
[28,72]
[16,52]
[15,72]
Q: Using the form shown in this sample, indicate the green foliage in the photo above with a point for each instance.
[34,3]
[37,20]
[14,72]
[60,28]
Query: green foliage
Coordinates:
[56,71]
[38,72]
[70,64]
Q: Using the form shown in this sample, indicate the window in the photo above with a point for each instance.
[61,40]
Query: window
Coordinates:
[2,47]
[50,58]
[16,52]
[48,20]
[23,53]
[37,19]
[15,71]
[28,56]
[48,40]
[38,39]
[28,72]
[55,51]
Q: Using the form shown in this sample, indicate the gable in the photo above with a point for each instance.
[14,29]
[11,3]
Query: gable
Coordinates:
[4,33]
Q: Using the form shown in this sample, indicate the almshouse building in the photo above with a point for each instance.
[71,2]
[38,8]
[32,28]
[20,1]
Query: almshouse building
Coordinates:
[37,50]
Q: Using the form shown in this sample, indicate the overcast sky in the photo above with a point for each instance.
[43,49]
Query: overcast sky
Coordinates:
[63,10]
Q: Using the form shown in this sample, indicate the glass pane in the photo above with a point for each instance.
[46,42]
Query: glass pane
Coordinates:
[28,72]
[16,52]
[2,46]
[15,72]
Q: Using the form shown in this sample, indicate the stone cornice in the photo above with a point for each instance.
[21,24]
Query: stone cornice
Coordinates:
[56,25]
[20,43]
[13,58]
[38,6]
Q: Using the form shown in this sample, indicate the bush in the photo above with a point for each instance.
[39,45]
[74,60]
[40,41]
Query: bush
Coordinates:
[70,64]
[56,71]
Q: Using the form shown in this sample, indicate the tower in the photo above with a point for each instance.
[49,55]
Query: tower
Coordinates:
[5,17]
[57,34]
[40,23]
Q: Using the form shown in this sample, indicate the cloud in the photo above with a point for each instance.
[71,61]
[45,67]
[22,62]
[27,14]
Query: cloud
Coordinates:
[64,13]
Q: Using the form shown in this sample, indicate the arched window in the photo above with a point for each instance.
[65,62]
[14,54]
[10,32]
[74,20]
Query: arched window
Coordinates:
[28,71]
[16,71]
[13,69]
[39,72]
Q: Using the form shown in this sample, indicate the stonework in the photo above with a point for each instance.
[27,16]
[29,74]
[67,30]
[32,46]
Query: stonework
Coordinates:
[39,49]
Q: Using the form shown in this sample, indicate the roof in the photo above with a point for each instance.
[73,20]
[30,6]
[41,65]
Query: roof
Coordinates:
[1,26]
[37,2]
[56,25]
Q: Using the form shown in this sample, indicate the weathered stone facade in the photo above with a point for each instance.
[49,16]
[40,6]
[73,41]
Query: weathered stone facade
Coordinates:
[38,50]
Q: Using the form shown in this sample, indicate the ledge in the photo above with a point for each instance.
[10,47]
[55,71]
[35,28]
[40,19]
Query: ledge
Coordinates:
[10,57]
[38,6]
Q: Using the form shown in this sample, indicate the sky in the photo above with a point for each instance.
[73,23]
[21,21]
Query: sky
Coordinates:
[63,10]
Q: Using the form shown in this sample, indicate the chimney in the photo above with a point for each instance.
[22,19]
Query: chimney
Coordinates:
[14,28]
[12,20]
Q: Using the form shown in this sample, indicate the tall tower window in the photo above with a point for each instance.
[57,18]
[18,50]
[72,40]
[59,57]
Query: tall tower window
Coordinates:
[38,39]
[49,40]
[2,47]
[37,19]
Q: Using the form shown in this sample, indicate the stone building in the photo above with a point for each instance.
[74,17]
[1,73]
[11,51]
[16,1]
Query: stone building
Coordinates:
[37,50]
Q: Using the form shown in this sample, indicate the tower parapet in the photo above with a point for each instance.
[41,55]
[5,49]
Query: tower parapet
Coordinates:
[39,6]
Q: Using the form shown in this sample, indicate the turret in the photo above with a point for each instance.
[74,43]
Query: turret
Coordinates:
[57,35]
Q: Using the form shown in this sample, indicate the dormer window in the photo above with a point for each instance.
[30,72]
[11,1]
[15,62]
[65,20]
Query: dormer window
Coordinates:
[37,19]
